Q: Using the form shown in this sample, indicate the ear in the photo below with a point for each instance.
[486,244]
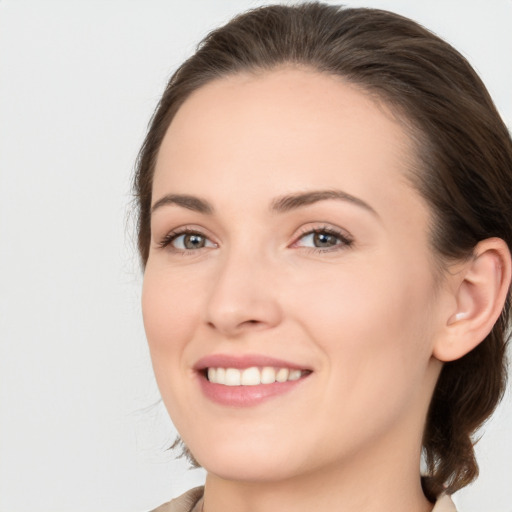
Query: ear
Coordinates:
[479,291]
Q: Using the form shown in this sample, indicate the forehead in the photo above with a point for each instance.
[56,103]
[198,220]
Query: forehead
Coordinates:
[281,131]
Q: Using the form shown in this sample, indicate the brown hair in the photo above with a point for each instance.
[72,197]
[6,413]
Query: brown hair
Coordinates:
[465,171]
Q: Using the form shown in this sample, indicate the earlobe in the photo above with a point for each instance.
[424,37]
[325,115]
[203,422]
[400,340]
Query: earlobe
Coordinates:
[480,290]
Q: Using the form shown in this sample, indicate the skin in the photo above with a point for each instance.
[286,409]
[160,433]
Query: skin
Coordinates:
[364,316]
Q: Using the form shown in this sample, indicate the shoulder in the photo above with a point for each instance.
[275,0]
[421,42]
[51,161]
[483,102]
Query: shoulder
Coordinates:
[185,503]
[444,504]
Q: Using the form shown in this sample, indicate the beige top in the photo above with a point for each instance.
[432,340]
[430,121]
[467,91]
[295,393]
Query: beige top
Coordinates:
[192,501]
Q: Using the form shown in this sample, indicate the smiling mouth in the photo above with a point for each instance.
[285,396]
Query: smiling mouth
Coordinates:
[253,376]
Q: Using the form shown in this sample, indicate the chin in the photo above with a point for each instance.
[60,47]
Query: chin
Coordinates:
[250,471]
[248,463]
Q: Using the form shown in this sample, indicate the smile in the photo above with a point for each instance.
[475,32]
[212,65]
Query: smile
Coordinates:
[247,380]
[252,376]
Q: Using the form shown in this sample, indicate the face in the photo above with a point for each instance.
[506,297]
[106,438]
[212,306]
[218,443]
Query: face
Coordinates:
[289,297]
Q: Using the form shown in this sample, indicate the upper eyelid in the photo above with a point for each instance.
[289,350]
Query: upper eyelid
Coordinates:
[188,228]
[319,227]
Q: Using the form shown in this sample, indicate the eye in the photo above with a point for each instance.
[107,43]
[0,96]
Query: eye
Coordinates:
[323,239]
[189,241]
[186,240]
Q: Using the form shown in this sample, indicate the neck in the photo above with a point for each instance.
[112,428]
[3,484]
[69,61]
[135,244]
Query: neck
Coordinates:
[365,484]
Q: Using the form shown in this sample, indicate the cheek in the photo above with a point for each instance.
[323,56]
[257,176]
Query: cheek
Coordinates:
[353,303]
[373,333]
[168,317]
[170,320]
[373,328]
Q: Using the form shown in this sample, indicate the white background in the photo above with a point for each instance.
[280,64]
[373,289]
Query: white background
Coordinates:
[79,80]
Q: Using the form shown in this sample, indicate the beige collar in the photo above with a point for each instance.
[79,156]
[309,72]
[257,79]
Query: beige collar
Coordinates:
[192,501]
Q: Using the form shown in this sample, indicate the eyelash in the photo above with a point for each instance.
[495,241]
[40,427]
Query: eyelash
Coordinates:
[174,235]
[344,240]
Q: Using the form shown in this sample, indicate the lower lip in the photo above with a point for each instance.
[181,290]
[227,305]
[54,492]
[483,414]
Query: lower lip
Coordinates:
[245,396]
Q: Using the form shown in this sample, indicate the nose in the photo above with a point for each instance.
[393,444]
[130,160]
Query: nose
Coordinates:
[243,296]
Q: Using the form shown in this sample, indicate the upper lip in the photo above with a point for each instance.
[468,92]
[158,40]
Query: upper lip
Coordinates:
[244,361]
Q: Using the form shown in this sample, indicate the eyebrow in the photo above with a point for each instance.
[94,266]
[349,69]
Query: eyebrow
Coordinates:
[294,201]
[185,201]
[280,205]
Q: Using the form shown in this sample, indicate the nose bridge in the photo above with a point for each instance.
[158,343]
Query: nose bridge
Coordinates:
[243,295]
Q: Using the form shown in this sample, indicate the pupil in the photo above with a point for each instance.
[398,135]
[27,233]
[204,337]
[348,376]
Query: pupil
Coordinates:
[324,240]
[194,241]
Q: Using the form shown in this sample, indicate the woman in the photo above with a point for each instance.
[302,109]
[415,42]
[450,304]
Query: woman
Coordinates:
[323,198]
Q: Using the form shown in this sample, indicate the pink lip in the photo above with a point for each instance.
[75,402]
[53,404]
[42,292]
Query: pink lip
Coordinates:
[244,396]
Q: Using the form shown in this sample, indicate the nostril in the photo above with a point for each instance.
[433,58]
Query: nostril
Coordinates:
[250,323]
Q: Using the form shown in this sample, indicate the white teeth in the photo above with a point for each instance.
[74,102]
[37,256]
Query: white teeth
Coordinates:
[268,375]
[232,377]
[294,375]
[282,374]
[252,376]
[220,375]
[212,375]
